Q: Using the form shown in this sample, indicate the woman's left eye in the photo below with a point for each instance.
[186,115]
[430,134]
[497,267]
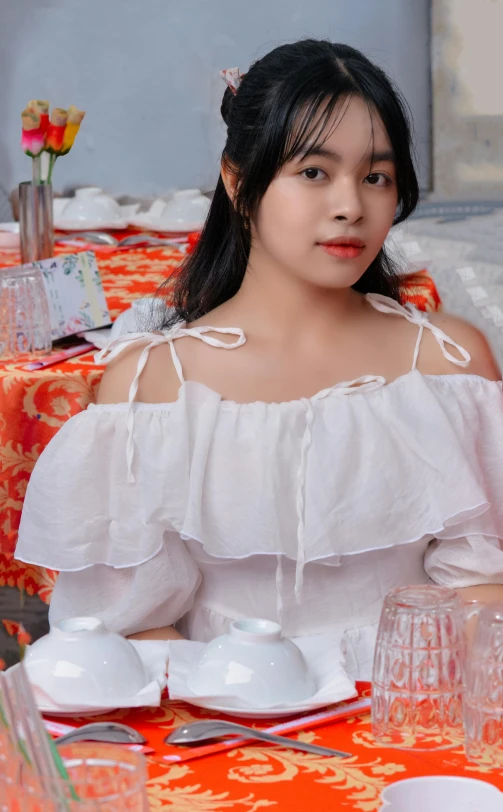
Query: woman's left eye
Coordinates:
[378,179]
[314,173]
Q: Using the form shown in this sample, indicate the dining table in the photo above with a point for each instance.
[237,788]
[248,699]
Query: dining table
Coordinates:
[261,776]
[33,406]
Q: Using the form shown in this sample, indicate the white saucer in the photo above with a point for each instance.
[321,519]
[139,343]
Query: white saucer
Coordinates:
[146,221]
[89,225]
[51,710]
[259,713]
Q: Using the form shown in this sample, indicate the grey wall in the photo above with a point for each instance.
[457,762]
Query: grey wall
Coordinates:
[468,103]
[146,71]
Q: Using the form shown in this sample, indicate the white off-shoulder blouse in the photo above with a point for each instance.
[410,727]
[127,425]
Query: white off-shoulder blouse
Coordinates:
[204,510]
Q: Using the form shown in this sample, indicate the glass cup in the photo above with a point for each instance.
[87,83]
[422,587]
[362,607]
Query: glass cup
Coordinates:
[102,778]
[483,709]
[418,676]
[25,325]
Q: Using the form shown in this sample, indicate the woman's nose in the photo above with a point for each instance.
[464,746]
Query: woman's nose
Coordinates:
[347,204]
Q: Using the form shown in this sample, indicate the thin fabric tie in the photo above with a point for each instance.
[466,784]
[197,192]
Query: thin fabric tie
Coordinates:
[414,316]
[116,347]
[367,382]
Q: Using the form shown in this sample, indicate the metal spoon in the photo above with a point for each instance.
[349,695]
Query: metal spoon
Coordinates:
[198,732]
[98,237]
[148,239]
[112,732]
[134,240]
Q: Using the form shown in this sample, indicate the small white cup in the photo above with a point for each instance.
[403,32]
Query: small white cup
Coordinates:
[253,665]
[441,793]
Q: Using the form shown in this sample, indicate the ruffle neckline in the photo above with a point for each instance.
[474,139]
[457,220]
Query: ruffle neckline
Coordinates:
[362,465]
[366,383]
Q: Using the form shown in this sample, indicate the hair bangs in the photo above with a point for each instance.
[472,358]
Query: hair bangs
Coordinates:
[312,125]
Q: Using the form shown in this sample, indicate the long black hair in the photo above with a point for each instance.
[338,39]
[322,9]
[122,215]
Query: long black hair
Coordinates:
[285,100]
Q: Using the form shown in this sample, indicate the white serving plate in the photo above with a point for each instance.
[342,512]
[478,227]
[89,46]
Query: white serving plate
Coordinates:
[89,225]
[147,221]
[259,713]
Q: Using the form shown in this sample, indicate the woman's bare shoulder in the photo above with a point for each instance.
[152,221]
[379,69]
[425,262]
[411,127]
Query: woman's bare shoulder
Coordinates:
[158,382]
[465,335]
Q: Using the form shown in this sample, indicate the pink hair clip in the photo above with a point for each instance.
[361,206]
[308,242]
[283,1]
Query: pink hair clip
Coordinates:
[232,78]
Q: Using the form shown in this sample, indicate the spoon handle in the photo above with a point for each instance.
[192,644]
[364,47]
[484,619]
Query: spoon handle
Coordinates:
[295,744]
[98,237]
[112,732]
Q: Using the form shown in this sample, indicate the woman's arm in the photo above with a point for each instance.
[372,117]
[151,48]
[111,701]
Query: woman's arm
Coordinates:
[484,593]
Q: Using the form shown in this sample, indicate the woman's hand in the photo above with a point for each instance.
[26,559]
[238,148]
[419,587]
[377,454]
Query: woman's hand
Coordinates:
[484,593]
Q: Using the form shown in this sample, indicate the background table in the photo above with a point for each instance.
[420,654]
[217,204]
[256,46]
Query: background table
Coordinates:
[34,405]
[258,776]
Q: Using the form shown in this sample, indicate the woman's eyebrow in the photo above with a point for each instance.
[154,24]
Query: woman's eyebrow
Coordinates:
[324,152]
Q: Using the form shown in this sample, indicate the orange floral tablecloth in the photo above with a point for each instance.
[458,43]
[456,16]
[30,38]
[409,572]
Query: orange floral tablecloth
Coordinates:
[258,777]
[34,405]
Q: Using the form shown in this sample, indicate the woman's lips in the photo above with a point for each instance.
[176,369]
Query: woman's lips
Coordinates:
[343,251]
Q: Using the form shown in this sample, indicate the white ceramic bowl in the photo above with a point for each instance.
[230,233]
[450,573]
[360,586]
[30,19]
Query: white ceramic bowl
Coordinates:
[91,204]
[441,793]
[185,211]
[252,665]
[186,206]
[79,661]
[58,206]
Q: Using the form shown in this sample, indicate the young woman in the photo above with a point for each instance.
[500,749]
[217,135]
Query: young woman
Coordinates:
[293,442]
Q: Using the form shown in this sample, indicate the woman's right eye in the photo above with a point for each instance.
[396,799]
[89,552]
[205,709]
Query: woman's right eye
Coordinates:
[314,173]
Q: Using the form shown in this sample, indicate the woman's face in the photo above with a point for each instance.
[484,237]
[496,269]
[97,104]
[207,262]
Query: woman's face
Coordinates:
[334,193]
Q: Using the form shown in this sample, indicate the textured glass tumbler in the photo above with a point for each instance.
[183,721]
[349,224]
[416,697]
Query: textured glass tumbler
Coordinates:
[104,777]
[484,690]
[36,227]
[25,325]
[418,677]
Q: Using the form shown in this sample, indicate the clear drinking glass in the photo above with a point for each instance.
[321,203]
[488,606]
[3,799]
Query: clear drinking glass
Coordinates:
[25,325]
[418,677]
[103,777]
[483,710]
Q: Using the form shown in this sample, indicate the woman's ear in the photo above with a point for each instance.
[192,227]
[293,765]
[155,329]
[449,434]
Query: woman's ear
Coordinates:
[229,178]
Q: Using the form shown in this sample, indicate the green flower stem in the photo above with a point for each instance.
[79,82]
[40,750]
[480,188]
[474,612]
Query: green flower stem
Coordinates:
[36,169]
[52,161]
